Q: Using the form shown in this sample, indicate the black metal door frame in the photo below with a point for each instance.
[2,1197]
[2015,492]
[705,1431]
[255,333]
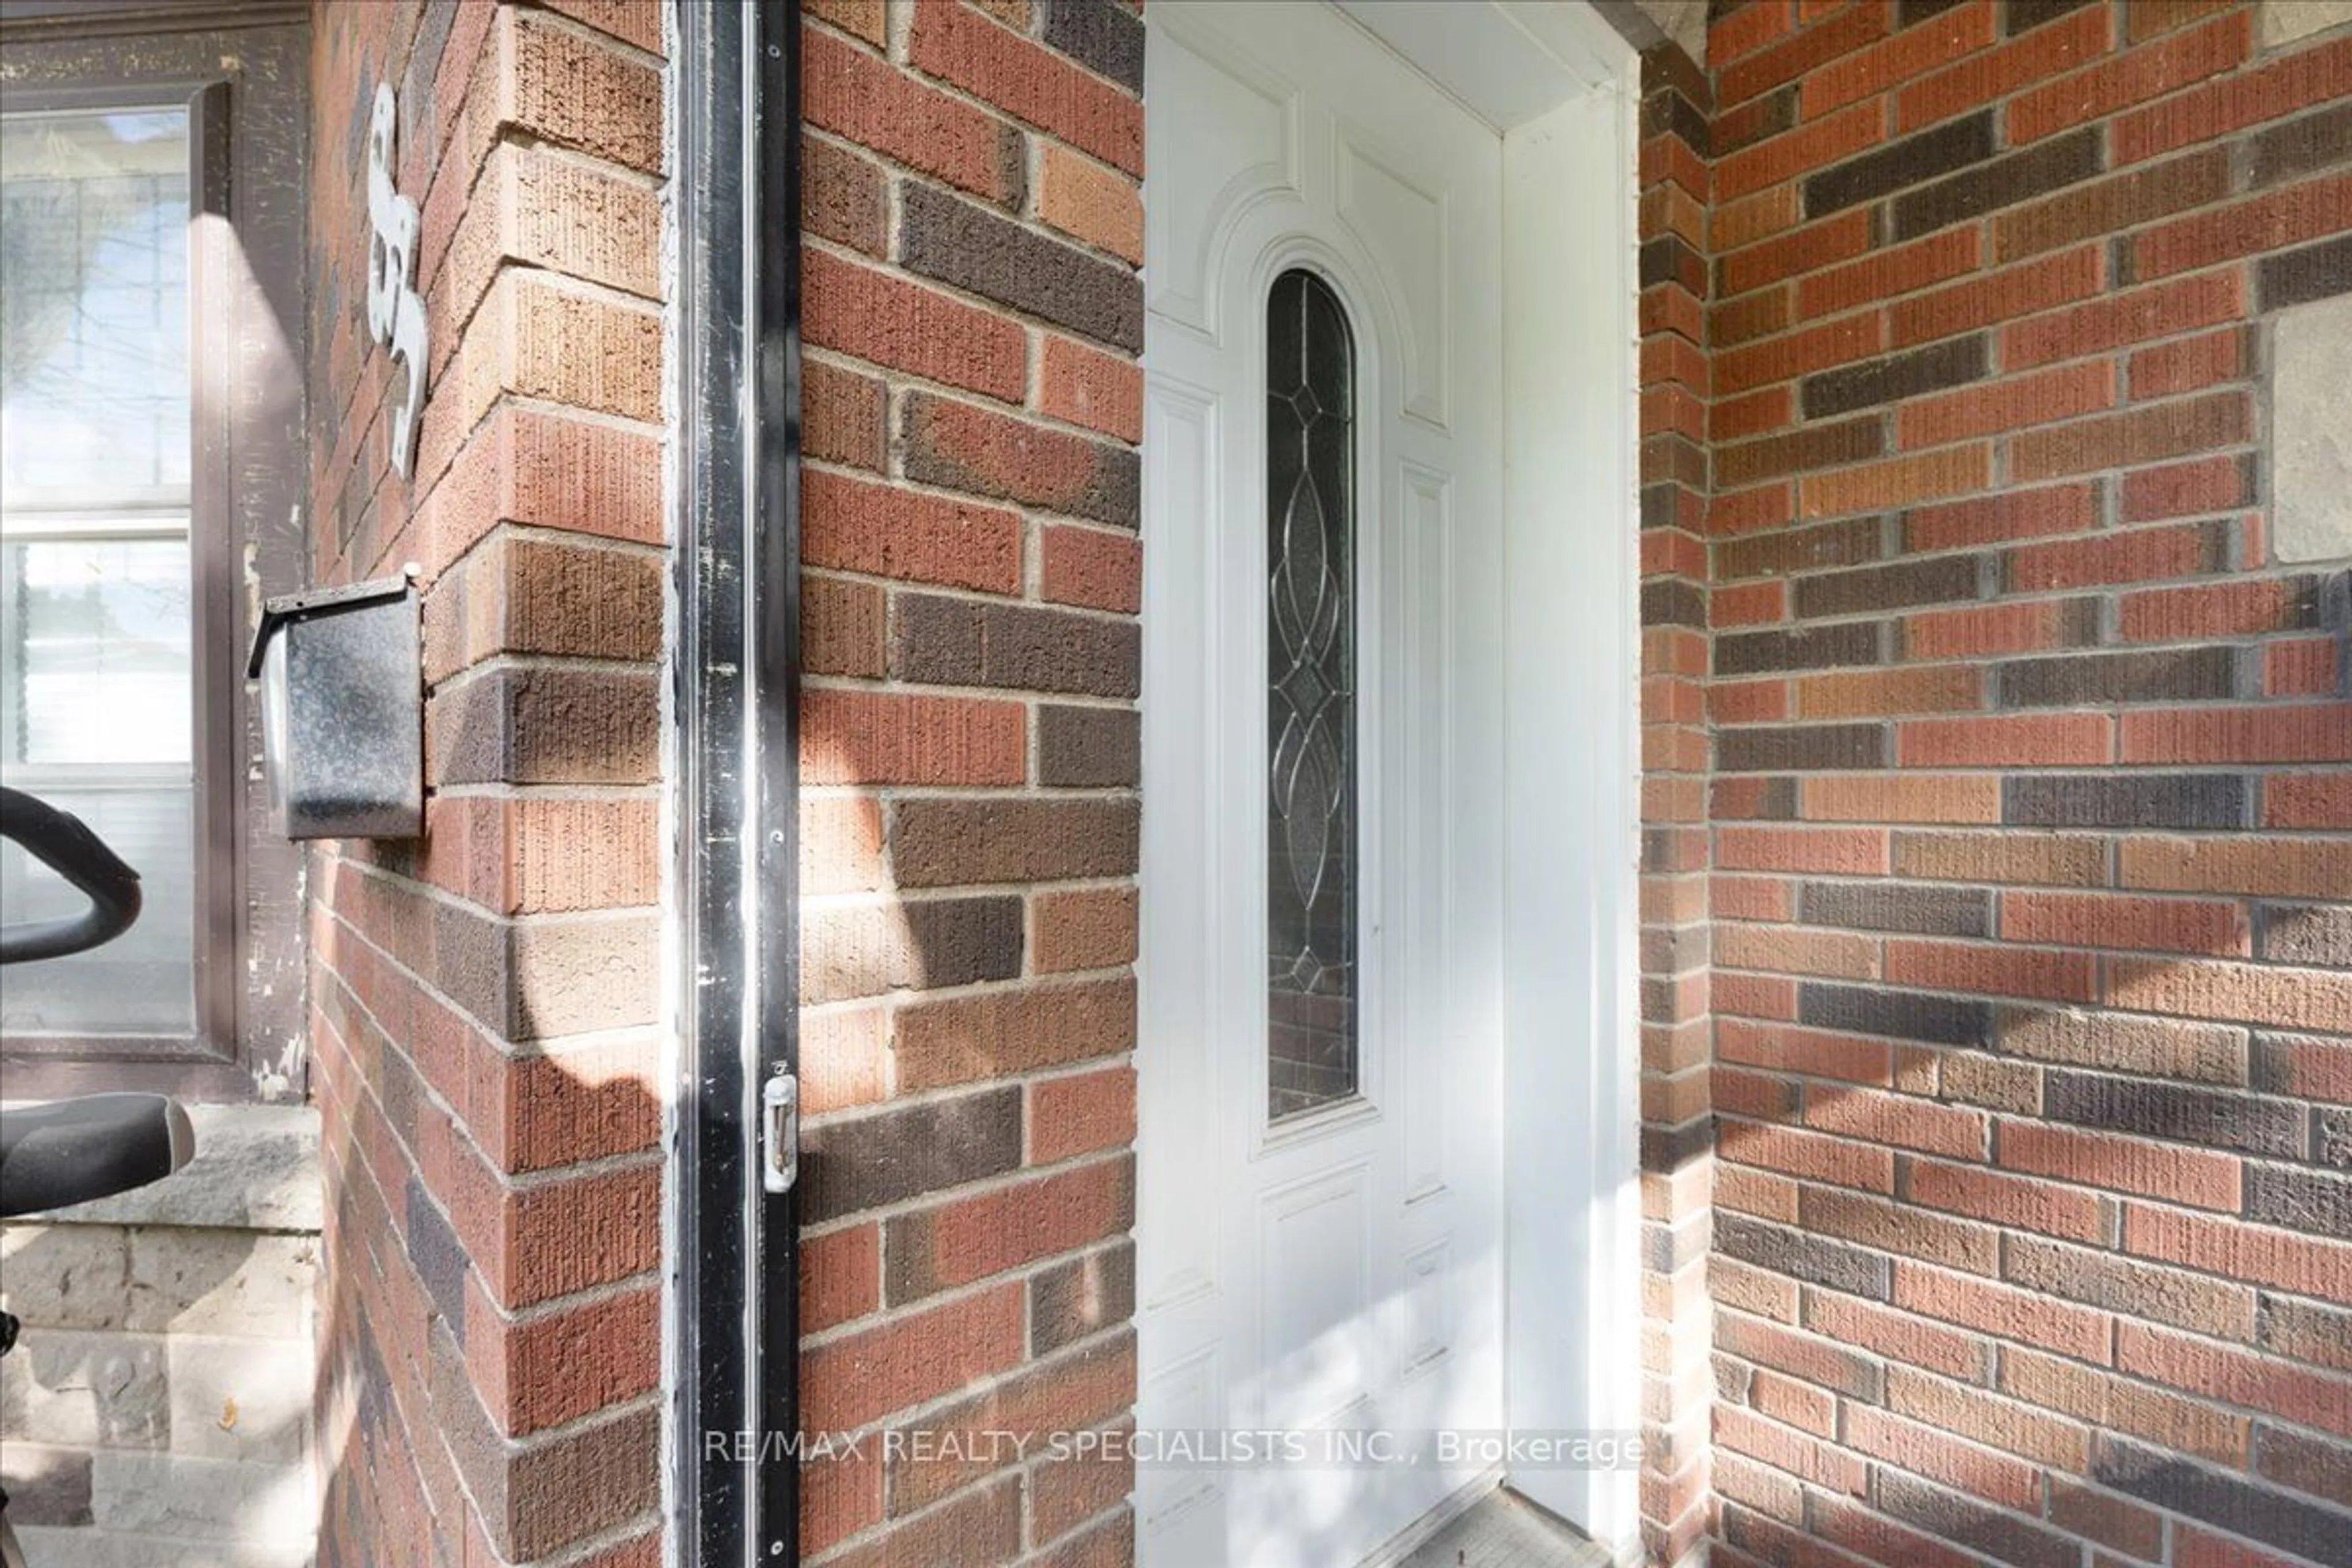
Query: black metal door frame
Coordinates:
[733,1338]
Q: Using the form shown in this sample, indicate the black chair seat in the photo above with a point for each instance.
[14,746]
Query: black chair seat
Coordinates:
[71,1151]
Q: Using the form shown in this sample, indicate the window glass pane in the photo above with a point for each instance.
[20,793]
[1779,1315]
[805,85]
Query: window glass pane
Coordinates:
[1312,697]
[96,624]
[93,307]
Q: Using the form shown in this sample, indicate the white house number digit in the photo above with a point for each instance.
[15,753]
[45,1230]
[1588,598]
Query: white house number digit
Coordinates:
[394,312]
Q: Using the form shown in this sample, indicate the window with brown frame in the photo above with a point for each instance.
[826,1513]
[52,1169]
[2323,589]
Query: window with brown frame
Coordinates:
[152,458]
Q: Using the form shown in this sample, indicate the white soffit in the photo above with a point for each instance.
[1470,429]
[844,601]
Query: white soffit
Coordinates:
[1506,60]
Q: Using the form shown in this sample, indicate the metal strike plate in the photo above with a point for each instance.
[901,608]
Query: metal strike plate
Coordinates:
[780,1132]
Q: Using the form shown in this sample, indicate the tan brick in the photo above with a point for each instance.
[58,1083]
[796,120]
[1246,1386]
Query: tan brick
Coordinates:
[2050,859]
[1092,203]
[1988,1419]
[1903,797]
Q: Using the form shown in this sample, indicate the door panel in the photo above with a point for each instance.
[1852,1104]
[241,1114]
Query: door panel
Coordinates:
[1338,1268]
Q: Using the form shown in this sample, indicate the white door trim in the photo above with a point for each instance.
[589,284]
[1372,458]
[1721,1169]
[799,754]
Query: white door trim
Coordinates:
[1572,1188]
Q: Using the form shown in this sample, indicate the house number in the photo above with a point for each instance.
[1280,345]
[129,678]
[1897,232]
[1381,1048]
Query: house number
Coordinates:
[394,312]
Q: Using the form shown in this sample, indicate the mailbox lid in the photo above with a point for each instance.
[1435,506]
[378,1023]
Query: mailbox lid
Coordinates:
[284,607]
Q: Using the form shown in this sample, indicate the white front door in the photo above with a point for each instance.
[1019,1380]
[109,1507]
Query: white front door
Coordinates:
[1320,1237]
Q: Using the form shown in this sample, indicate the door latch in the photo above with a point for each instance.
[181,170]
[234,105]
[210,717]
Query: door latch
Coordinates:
[780,1117]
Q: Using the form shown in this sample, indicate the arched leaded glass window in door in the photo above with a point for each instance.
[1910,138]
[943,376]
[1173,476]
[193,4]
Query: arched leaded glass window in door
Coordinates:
[1311,697]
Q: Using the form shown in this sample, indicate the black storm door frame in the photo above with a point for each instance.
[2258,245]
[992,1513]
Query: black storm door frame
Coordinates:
[733,1336]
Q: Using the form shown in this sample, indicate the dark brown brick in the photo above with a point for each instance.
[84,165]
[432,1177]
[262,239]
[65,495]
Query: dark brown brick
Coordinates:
[2209,1117]
[2234,1503]
[2306,1331]
[865,1162]
[2126,800]
[965,642]
[951,841]
[1753,121]
[1089,748]
[1668,68]
[1895,1014]
[1082,1296]
[1812,1258]
[1106,38]
[1822,446]
[2021,16]
[1669,113]
[1674,602]
[2297,148]
[436,1255]
[868,949]
[1911,12]
[2331,1131]
[1801,748]
[1813,648]
[2319,1465]
[1924,156]
[1669,259]
[1978,1526]
[1953,363]
[977,450]
[1874,590]
[529,724]
[2002,182]
[2298,276]
[2299,1198]
[1675,456]
[957,242]
[1792,551]
[2078,680]
[1897,906]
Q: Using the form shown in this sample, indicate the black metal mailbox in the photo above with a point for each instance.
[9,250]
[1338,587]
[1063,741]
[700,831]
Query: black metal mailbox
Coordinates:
[343,711]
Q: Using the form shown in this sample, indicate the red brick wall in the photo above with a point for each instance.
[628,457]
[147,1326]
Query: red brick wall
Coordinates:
[2030,828]
[972,319]
[1676,1121]
[483,1002]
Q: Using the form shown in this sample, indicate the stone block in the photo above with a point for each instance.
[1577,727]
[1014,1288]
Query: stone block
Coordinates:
[82,1547]
[2284,21]
[238,1399]
[2311,459]
[66,1275]
[242,1283]
[78,1388]
[198,1499]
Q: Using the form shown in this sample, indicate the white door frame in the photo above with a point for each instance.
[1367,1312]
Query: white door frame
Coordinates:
[1564,90]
